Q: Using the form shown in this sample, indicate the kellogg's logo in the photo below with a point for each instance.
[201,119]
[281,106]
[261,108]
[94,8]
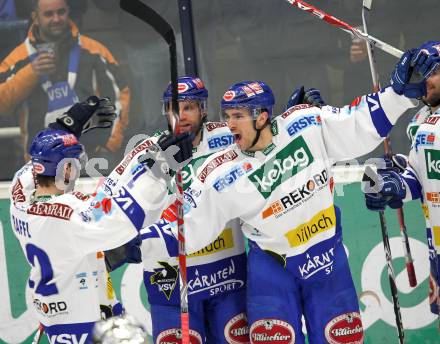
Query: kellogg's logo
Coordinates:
[229,95]
[237,330]
[174,336]
[272,331]
[345,328]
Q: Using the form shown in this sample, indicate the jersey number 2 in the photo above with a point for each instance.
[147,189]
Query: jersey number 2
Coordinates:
[44,287]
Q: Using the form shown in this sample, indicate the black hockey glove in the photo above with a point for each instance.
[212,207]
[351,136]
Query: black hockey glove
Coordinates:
[312,96]
[80,118]
[129,253]
[170,154]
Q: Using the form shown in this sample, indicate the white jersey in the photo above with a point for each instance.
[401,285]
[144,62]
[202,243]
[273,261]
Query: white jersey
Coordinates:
[284,192]
[60,237]
[416,120]
[423,175]
[225,253]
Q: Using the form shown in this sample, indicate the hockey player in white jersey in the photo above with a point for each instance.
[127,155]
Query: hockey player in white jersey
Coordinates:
[421,178]
[277,179]
[216,273]
[61,232]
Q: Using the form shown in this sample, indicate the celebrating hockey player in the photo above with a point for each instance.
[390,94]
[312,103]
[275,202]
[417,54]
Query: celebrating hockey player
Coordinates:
[420,180]
[217,272]
[277,179]
[60,232]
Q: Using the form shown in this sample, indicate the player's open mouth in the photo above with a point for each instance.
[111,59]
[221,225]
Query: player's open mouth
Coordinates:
[185,127]
[237,138]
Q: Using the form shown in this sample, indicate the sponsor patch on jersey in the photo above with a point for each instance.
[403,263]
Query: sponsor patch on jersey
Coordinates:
[272,331]
[431,120]
[433,197]
[345,328]
[216,162]
[297,196]
[237,330]
[123,165]
[220,141]
[219,278]
[38,168]
[319,223]
[432,159]
[232,176]
[80,196]
[229,95]
[174,335]
[424,138]
[303,122]
[292,159]
[165,278]
[223,242]
[291,110]
[17,192]
[81,279]
[436,235]
[56,210]
[314,264]
[51,309]
[210,126]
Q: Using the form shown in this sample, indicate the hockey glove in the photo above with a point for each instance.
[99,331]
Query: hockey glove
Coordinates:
[80,118]
[312,97]
[128,253]
[426,58]
[391,191]
[170,154]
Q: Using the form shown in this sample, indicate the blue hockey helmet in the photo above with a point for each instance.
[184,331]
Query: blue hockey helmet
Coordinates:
[254,95]
[50,147]
[188,88]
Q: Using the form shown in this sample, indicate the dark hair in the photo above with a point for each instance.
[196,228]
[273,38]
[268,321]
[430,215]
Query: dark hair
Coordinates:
[45,181]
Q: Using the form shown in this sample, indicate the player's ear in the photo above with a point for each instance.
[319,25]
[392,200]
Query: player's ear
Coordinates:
[262,119]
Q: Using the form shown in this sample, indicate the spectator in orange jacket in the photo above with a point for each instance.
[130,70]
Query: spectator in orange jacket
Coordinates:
[55,67]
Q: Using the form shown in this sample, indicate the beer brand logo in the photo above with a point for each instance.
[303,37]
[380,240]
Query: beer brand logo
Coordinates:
[229,95]
[57,210]
[174,336]
[216,162]
[432,158]
[292,159]
[321,222]
[182,87]
[345,329]
[272,331]
[210,126]
[123,165]
[237,330]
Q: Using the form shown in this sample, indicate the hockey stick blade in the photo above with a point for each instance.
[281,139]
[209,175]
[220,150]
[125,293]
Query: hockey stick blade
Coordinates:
[147,15]
[345,27]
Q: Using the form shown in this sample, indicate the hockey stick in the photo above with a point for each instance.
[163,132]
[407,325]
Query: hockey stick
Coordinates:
[346,27]
[371,177]
[146,14]
[366,7]
[38,334]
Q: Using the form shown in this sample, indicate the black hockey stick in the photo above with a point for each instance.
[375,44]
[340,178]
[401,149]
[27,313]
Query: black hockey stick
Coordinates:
[371,178]
[146,14]
[409,262]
